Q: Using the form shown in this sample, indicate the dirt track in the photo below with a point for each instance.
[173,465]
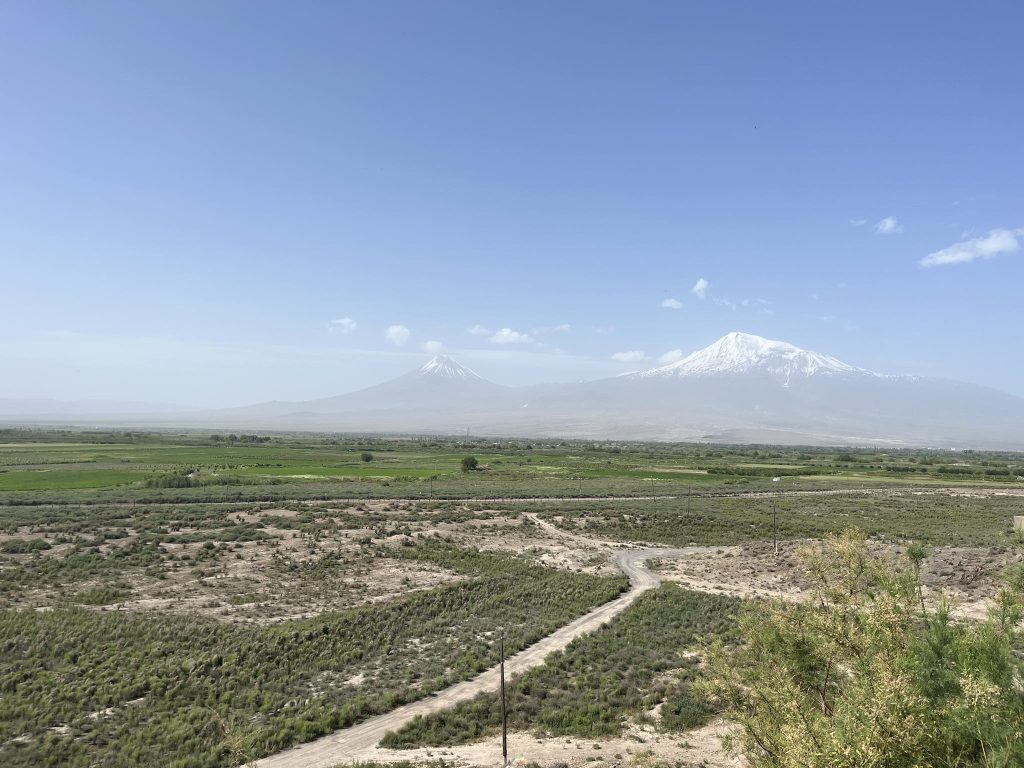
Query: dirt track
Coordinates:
[358,742]
[912,490]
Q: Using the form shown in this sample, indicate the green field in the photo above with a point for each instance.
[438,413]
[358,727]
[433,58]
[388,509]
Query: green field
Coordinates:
[283,466]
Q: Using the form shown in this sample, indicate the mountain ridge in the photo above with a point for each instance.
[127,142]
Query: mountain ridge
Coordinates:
[741,384]
[740,388]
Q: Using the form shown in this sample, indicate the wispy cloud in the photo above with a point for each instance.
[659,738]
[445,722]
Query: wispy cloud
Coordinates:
[433,347]
[397,335]
[858,222]
[700,288]
[546,330]
[509,336]
[672,304]
[888,226]
[343,325]
[632,356]
[761,305]
[479,330]
[995,243]
[672,356]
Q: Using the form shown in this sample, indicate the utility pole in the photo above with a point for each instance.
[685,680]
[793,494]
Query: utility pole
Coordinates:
[431,486]
[581,486]
[504,718]
[689,490]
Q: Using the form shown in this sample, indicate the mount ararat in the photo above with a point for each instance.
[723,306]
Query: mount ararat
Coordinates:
[742,388]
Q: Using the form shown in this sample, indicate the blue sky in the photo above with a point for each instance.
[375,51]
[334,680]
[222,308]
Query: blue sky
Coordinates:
[191,193]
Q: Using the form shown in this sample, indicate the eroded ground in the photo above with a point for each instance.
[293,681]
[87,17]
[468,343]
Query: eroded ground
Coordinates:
[968,576]
[274,564]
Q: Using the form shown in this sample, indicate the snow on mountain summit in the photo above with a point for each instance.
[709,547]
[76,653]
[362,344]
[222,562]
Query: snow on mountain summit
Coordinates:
[746,353]
[444,367]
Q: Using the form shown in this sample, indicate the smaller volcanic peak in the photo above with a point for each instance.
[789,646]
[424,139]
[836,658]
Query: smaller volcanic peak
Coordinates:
[743,353]
[445,367]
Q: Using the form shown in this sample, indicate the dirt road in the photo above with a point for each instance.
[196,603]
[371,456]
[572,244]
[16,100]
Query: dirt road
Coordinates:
[358,742]
[715,493]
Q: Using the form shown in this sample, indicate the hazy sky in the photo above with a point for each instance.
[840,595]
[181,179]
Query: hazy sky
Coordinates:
[218,203]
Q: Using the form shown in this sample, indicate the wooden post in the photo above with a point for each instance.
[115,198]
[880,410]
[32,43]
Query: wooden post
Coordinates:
[504,721]
[775,527]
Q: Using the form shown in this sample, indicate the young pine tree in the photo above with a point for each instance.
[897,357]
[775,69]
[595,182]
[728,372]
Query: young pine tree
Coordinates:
[867,673]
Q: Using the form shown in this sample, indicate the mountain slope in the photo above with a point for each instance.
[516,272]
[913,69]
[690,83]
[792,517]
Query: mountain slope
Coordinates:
[745,388]
[440,387]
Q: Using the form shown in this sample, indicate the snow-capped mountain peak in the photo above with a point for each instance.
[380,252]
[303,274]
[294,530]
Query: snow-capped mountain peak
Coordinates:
[444,367]
[746,353]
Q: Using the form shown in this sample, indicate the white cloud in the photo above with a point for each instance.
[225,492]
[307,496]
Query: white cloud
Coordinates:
[343,325]
[397,335]
[563,328]
[433,347]
[858,222]
[508,336]
[672,304]
[888,226]
[700,288]
[632,356]
[725,303]
[479,330]
[672,356]
[995,243]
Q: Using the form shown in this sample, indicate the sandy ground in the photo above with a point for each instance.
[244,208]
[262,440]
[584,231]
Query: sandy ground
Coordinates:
[701,746]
